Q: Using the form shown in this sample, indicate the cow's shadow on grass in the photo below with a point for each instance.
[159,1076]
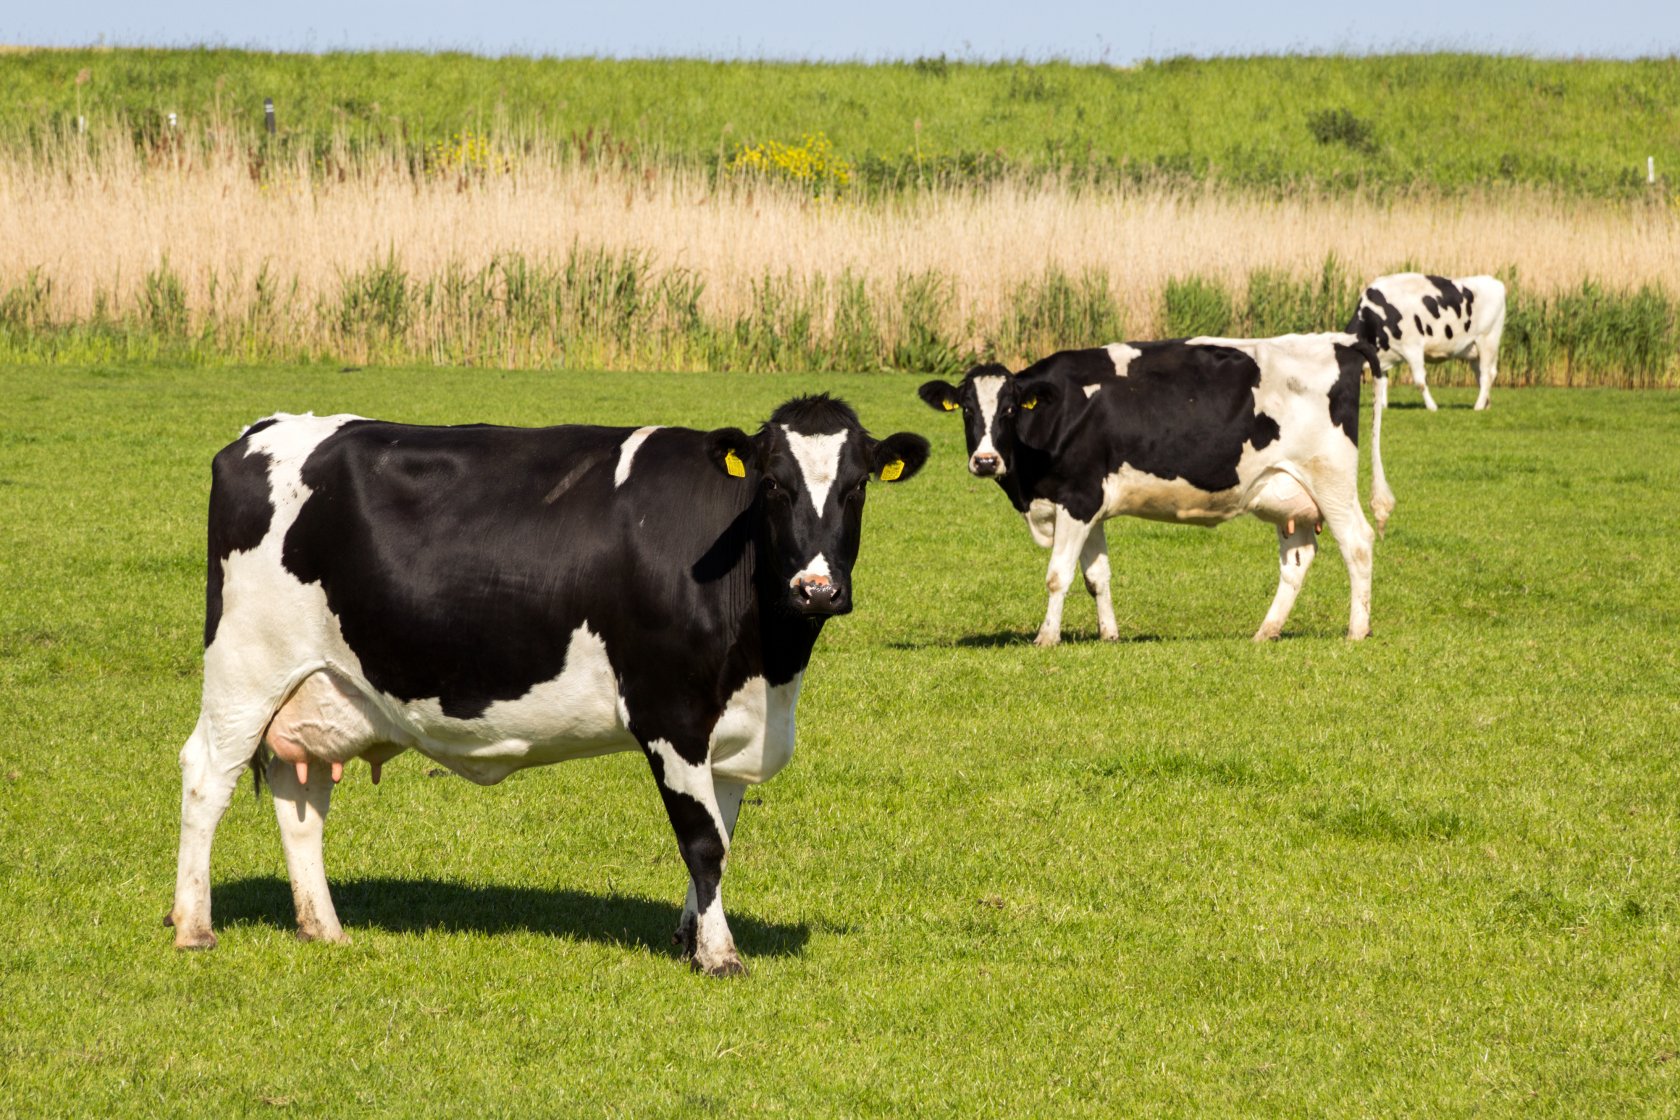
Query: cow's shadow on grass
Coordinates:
[1002,638]
[1419,406]
[420,905]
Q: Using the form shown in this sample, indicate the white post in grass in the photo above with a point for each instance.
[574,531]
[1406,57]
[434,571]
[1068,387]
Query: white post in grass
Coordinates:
[1650,169]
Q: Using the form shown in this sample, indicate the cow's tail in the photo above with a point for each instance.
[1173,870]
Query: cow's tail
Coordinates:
[1382,498]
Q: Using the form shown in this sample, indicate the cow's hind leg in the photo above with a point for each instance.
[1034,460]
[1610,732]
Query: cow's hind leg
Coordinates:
[1487,364]
[301,809]
[211,762]
[729,795]
[1093,561]
[1065,551]
[1420,378]
[691,802]
[1297,545]
[1339,502]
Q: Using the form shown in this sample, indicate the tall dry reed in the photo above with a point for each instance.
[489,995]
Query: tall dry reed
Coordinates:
[91,227]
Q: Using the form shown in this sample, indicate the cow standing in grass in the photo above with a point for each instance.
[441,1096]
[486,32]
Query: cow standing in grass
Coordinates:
[497,598]
[1196,431]
[1415,318]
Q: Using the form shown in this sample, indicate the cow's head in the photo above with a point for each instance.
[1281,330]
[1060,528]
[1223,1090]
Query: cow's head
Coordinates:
[991,401]
[811,462]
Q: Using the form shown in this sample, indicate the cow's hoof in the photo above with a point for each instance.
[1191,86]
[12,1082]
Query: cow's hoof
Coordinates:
[187,939]
[1359,635]
[727,966]
[330,937]
[1046,640]
[1109,635]
[1267,634]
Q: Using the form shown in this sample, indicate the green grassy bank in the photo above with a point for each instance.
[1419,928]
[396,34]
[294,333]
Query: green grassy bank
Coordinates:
[1443,121]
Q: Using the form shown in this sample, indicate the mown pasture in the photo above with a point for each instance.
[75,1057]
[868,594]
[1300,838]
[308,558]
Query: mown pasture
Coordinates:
[1430,874]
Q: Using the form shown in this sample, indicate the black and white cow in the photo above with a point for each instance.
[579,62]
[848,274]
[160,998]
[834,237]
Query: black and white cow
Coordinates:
[1415,318]
[497,598]
[1199,431]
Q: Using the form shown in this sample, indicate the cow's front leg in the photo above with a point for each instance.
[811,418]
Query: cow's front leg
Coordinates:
[1065,550]
[1093,561]
[301,809]
[729,795]
[691,801]
[1297,545]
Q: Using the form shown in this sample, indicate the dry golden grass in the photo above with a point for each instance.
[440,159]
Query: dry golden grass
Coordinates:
[94,217]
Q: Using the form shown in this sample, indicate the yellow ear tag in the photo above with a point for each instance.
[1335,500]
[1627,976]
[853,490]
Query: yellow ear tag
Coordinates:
[1030,402]
[949,406]
[732,463]
[892,470]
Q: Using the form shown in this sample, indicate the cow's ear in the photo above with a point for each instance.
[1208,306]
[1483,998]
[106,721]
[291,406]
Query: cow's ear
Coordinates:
[899,456]
[1036,396]
[941,395]
[732,451]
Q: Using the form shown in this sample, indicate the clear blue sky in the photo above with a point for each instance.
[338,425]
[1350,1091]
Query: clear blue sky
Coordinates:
[864,29]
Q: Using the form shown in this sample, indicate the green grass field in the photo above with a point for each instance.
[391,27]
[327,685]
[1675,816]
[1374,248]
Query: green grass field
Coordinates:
[1436,120]
[1433,874]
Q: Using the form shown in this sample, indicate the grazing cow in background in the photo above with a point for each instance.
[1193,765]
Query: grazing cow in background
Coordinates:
[497,598]
[1199,431]
[1415,318]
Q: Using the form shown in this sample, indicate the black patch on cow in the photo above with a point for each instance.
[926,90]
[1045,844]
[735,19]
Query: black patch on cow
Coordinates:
[459,561]
[1418,319]
[1469,302]
[1182,411]
[814,415]
[1377,320]
[454,576]
[1452,297]
[1351,363]
[1429,330]
[1432,306]
[1448,327]
[240,513]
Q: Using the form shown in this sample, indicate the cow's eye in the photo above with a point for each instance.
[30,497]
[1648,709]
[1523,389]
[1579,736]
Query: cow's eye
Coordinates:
[771,486]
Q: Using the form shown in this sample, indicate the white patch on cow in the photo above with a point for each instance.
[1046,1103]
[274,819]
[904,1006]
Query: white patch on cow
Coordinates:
[986,389]
[816,566]
[753,739]
[1041,521]
[818,457]
[577,714]
[1121,355]
[1130,492]
[692,779]
[1092,390]
[627,452]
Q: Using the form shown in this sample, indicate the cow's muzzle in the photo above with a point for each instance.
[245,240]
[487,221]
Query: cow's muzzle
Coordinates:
[985,464]
[813,594]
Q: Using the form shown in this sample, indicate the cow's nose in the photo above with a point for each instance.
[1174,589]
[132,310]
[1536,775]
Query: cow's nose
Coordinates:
[817,593]
[985,463]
